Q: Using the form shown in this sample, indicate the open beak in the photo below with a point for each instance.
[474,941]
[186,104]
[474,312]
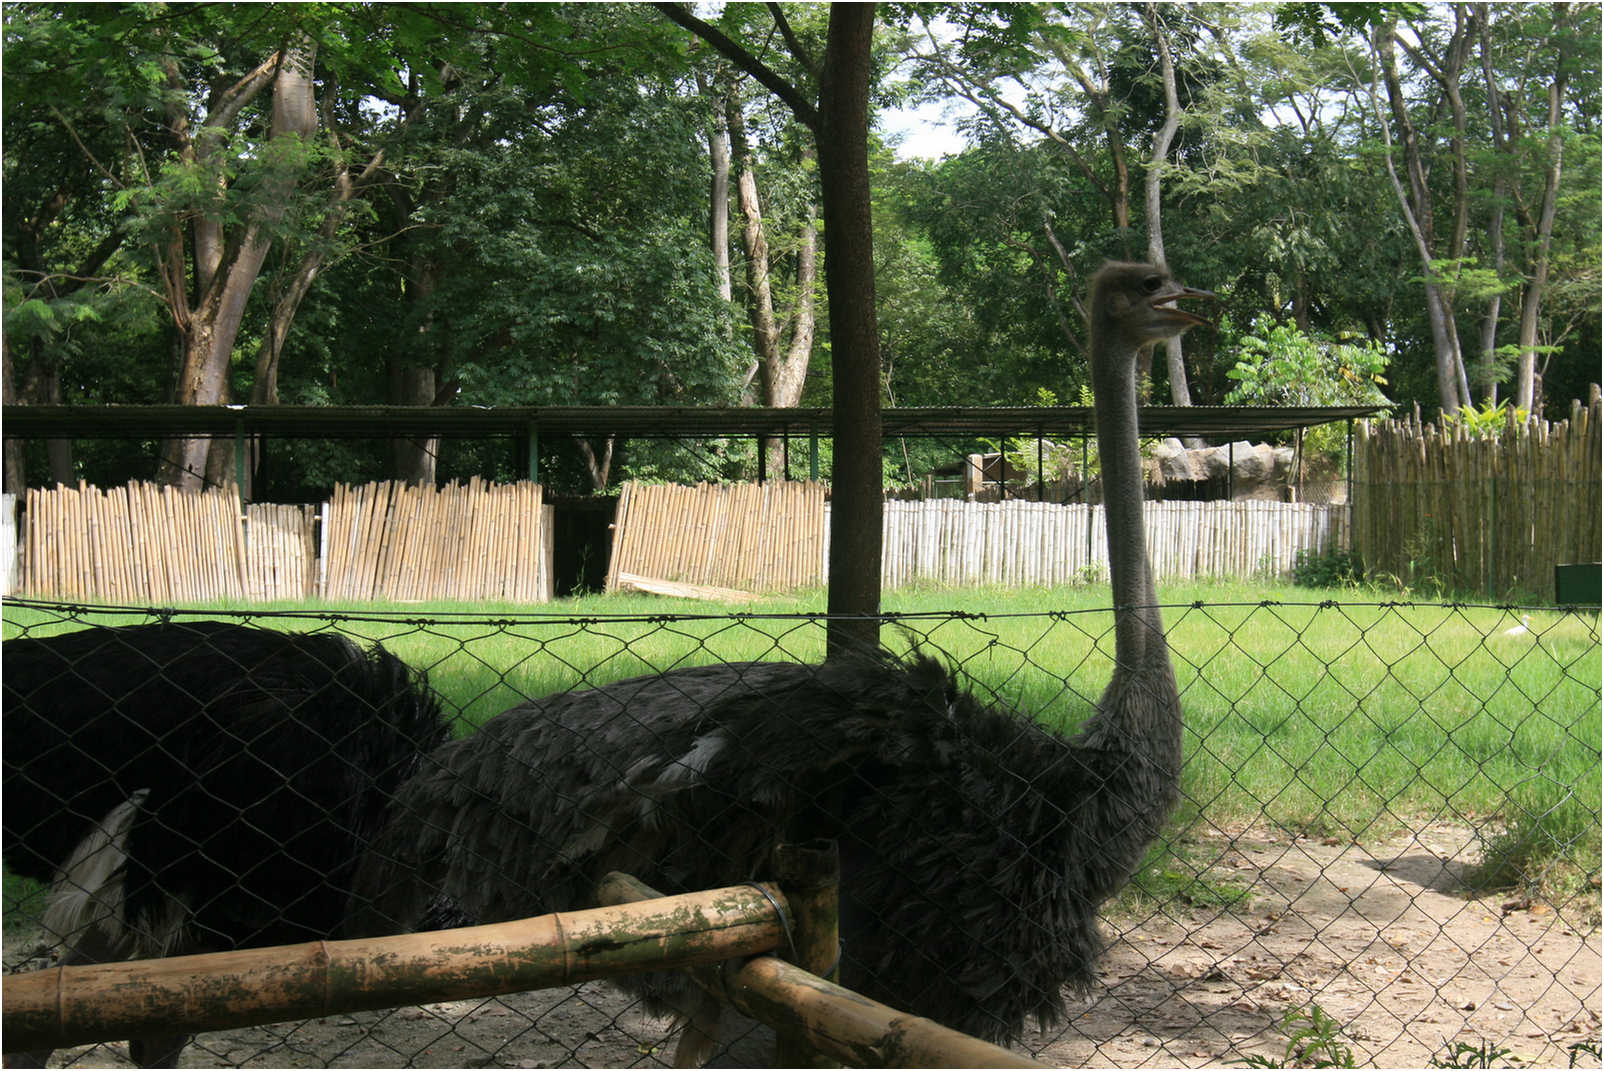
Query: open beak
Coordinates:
[1182,317]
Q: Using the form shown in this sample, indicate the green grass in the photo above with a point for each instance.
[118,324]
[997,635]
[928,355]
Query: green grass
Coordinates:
[1336,717]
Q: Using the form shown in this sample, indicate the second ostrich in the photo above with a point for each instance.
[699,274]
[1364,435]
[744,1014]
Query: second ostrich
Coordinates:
[196,787]
[976,845]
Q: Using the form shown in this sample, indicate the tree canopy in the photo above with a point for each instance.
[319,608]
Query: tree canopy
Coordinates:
[466,204]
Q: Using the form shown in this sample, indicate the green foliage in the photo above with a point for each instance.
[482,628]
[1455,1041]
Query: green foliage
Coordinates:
[1487,420]
[1546,843]
[1463,1054]
[1332,568]
[1314,1039]
[1281,365]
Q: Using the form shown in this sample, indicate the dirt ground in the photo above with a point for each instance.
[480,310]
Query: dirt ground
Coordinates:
[1381,936]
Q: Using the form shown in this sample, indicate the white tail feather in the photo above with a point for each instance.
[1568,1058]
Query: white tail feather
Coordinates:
[88,905]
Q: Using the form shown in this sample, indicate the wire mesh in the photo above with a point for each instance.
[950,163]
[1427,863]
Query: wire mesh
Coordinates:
[1386,845]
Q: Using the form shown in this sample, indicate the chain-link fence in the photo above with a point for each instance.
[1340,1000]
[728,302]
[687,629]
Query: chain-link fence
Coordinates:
[1386,844]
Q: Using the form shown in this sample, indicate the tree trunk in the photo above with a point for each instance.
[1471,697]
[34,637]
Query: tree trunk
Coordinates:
[1180,393]
[226,271]
[413,381]
[597,467]
[1495,225]
[718,151]
[1453,389]
[783,373]
[1525,376]
[855,520]
[755,245]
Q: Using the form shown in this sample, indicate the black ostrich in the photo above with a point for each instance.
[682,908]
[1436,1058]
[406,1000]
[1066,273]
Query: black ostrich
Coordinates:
[199,787]
[976,845]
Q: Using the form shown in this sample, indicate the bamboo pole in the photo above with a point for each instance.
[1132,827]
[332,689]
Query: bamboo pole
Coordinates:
[66,1006]
[835,1022]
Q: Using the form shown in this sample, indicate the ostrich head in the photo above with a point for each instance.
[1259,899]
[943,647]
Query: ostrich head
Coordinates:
[1132,306]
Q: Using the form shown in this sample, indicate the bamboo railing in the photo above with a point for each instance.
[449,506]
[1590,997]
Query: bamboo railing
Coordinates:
[1495,513]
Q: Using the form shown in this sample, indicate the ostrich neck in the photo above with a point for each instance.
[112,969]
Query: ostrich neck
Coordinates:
[1138,630]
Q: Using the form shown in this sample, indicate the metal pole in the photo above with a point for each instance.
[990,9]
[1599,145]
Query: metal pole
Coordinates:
[1041,480]
[239,458]
[1085,499]
[1349,526]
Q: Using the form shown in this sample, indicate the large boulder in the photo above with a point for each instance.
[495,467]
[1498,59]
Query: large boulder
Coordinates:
[1261,470]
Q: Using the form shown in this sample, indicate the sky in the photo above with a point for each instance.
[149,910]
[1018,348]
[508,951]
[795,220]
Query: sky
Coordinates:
[925,132]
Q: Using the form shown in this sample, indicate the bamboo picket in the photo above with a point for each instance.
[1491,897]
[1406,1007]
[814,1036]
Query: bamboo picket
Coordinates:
[399,542]
[1491,513]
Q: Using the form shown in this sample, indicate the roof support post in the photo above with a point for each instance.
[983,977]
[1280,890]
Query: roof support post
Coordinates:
[241,460]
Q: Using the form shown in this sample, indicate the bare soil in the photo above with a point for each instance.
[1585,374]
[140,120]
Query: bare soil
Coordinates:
[1381,936]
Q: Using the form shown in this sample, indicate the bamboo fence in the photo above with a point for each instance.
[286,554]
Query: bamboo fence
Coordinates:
[1491,513]
[1020,544]
[8,543]
[280,553]
[775,537]
[400,542]
[745,536]
[138,543]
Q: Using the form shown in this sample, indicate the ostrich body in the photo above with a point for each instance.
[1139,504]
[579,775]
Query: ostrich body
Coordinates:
[976,845]
[200,787]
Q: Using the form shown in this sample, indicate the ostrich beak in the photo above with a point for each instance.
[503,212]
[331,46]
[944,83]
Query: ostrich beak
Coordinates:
[1178,317]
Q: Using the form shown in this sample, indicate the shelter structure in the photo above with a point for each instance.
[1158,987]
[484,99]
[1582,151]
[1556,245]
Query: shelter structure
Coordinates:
[529,425]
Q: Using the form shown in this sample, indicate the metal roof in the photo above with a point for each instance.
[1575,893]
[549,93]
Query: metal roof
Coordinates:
[655,422]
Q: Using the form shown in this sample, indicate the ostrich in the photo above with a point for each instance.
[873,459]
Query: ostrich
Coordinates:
[976,845]
[199,787]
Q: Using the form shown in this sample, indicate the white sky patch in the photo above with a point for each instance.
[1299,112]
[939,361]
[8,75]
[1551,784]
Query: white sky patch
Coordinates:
[923,132]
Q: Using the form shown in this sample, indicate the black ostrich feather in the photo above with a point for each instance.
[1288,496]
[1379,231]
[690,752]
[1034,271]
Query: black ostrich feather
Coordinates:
[249,767]
[976,845]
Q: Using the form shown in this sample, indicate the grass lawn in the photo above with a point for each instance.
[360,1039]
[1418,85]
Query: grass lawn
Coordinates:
[1324,711]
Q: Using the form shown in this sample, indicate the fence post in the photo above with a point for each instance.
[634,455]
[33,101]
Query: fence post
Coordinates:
[809,874]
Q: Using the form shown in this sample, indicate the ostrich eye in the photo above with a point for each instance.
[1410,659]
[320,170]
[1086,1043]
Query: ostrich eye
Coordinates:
[1151,284]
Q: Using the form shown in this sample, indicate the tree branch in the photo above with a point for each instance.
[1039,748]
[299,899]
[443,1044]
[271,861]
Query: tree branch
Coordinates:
[806,111]
[792,42]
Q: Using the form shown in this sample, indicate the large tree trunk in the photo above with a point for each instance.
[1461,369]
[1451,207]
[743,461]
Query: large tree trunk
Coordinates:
[855,520]
[413,381]
[1495,224]
[718,224]
[1180,393]
[1526,374]
[782,372]
[1453,388]
[226,270]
